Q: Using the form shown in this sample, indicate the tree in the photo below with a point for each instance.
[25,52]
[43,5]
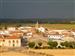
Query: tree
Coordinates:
[31,44]
[40,43]
[5,28]
[68,44]
[52,44]
[71,44]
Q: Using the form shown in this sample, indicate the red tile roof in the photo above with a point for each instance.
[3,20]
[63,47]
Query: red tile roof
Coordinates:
[1,39]
[12,37]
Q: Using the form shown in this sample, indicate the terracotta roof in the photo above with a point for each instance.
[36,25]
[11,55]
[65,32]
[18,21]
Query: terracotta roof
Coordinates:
[1,34]
[12,37]
[17,32]
[1,39]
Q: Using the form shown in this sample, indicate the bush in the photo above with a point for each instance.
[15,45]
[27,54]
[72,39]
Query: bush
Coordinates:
[71,44]
[52,44]
[50,47]
[31,44]
[68,44]
[40,43]
[45,47]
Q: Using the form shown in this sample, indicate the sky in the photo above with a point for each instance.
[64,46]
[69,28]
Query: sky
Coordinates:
[37,8]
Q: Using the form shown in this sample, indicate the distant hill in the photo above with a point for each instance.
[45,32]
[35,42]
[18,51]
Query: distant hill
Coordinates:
[41,20]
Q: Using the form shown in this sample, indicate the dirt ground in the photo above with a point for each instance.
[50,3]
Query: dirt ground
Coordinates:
[58,52]
[40,52]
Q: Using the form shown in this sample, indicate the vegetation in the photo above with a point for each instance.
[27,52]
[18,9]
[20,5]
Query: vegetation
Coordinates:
[40,44]
[37,47]
[50,26]
[31,44]
[68,44]
[52,44]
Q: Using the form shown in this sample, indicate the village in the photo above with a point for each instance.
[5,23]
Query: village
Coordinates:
[18,37]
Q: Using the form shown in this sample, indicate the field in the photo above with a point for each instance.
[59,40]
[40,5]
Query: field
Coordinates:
[41,52]
[59,26]
[50,26]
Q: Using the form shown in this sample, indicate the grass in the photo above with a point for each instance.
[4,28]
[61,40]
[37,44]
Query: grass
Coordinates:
[59,26]
[50,26]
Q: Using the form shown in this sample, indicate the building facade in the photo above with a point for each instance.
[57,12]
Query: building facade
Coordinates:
[56,37]
[10,42]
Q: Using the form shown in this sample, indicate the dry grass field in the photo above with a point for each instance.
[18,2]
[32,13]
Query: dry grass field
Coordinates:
[50,26]
[58,52]
[59,26]
[40,52]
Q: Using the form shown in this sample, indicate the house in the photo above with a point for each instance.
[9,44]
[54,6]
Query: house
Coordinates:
[73,33]
[53,32]
[59,31]
[11,28]
[17,33]
[66,33]
[5,32]
[27,35]
[11,41]
[24,41]
[55,36]
[41,29]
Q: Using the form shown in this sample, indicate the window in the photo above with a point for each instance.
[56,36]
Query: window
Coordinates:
[13,41]
[13,45]
[9,41]
[3,40]
[17,41]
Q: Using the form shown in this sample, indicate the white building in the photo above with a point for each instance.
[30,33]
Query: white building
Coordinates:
[5,32]
[60,31]
[10,42]
[56,37]
[11,28]
[41,29]
[28,35]
[22,28]
[73,33]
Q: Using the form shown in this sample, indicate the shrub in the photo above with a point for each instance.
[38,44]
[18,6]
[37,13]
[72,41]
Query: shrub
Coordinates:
[50,47]
[62,44]
[68,44]
[40,43]
[71,44]
[31,44]
[45,47]
[52,44]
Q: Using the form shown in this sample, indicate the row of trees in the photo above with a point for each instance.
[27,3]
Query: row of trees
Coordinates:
[52,45]
[67,44]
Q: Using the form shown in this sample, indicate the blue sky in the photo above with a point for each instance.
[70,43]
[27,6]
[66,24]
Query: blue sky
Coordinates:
[36,8]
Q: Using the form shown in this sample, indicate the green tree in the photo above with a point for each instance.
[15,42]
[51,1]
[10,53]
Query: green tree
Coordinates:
[52,44]
[40,43]
[68,44]
[31,44]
